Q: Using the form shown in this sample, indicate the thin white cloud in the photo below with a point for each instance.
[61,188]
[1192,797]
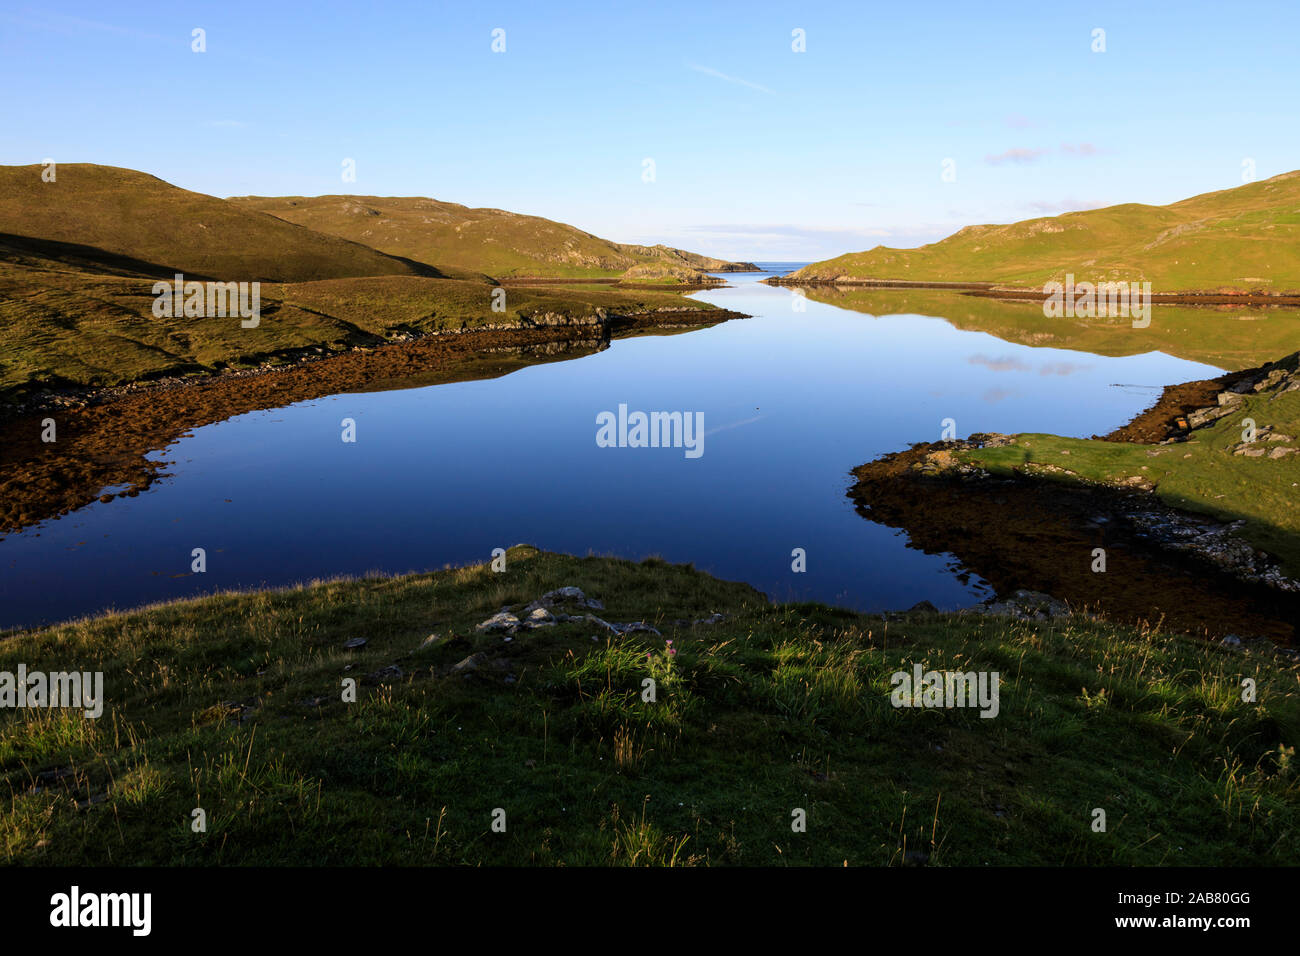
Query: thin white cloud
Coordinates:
[788,231]
[709,71]
[62,23]
[1006,363]
[1062,368]
[1015,156]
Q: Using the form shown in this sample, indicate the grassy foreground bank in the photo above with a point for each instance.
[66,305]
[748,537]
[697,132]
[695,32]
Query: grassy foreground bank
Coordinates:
[233,703]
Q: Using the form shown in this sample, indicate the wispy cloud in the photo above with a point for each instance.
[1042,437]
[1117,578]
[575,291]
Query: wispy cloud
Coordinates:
[787,231]
[1019,121]
[1006,363]
[63,23]
[1021,155]
[1016,155]
[1062,368]
[709,71]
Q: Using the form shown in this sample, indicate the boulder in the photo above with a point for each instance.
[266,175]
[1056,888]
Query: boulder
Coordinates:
[504,621]
[469,664]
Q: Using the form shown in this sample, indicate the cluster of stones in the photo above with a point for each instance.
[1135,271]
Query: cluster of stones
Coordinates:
[1212,540]
[1278,378]
[542,613]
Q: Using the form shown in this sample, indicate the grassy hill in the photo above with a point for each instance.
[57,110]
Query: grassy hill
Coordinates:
[234,704]
[102,218]
[61,327]
[668,256]
[78,258]
[668,274]
[1243,239]
[493,241]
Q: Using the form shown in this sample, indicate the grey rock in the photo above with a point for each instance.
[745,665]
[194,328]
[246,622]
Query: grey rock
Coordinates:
[1024,605]
[505,621]
[471,663]
[354,644]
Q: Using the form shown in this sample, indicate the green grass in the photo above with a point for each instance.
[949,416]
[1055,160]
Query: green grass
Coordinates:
[1241,239]
[232,703]
[105,218]
[80,256]
[494,241]
[73,328]
[1201,474]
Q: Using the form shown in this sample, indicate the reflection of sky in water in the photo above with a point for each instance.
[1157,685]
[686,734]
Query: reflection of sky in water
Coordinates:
[792,401]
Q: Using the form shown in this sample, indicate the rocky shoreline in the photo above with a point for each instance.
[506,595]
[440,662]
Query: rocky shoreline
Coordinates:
[609,326]
[992,290]
[1026,532]
[105,435]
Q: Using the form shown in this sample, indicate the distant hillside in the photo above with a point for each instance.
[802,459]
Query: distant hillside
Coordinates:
[106,219]
[493,241]
[666,273]
[680,257]
[1243,239]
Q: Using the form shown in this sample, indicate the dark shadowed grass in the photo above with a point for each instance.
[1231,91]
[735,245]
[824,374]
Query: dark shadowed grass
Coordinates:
[233,703]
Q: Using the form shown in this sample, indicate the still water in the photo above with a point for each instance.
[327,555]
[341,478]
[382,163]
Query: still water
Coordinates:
[791,401]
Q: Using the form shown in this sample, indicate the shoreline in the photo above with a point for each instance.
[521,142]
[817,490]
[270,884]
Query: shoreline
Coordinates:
[1184,568]
[105,434]
[992,290]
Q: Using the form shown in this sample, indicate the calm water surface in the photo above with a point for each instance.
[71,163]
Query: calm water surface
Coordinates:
[792,401]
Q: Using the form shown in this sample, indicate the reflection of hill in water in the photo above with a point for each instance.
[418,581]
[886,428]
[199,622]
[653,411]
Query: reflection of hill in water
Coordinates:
[1228,337]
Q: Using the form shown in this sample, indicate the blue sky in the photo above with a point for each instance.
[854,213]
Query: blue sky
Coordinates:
[760,152]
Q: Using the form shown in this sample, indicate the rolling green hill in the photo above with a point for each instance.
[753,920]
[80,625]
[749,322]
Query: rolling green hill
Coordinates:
[1243,239]
[106,219]
[493,241]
